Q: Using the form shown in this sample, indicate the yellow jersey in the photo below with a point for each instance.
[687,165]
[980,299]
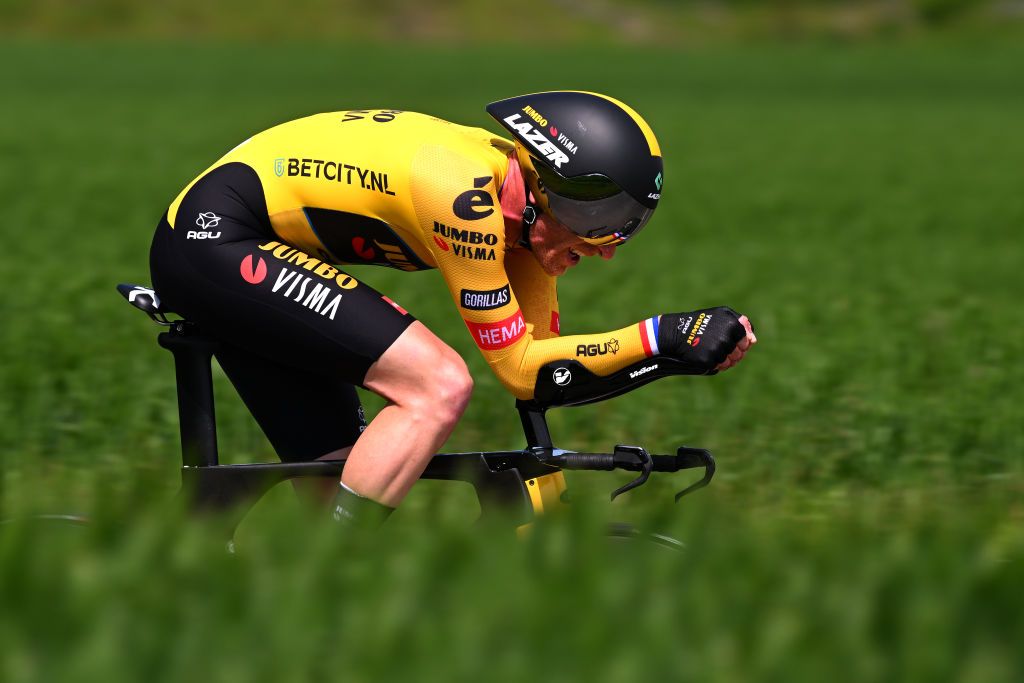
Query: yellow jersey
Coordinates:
[414,192]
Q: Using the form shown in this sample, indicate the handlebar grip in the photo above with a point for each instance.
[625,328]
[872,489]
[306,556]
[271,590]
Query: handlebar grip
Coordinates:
[587,461]
[686,458]
[665,463]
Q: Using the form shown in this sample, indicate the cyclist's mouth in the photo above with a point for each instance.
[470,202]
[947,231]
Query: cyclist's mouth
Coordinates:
[574,256]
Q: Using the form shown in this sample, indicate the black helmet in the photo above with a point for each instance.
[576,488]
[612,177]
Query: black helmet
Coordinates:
[590,161]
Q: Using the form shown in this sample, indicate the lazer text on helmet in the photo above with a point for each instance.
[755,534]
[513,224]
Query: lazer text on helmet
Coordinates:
[537,139]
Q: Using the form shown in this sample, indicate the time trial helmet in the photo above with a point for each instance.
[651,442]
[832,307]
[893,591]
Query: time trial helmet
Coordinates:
[590,161]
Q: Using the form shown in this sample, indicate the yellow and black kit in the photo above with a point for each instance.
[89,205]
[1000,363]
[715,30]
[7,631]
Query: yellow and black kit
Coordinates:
[250,250]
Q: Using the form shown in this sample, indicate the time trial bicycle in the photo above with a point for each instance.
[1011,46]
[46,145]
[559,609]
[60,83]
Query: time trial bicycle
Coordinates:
[519,485]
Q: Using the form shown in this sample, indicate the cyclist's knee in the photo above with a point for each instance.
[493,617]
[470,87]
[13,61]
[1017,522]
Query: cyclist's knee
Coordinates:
[424,375]
[448,388]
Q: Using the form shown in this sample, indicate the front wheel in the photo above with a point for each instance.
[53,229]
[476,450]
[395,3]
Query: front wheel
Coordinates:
[56,520]
[628,531]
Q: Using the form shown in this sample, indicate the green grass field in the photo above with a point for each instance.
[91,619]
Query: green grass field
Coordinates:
[863,205]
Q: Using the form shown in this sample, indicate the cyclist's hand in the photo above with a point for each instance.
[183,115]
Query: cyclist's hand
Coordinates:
[709,339]
[744,344]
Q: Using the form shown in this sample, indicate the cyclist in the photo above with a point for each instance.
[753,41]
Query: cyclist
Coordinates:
[248,250]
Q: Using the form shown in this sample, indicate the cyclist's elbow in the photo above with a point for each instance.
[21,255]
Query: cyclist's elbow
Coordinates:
[518,385]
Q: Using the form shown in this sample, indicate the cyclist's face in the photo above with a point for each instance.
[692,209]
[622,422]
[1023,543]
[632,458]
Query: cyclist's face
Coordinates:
[557,248]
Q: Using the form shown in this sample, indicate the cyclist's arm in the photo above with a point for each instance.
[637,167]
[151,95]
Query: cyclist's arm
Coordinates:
[536,292]
[469,248]
[516,351]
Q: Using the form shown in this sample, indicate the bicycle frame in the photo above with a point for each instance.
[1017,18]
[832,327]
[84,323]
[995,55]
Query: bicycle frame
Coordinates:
[520,484]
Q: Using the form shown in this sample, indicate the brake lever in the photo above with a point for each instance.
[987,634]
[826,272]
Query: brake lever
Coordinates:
[685,454]
[632,458]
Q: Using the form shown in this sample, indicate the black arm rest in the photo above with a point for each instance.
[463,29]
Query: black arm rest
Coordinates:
[569,383]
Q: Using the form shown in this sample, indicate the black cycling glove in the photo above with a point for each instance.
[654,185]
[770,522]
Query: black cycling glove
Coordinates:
[702,339]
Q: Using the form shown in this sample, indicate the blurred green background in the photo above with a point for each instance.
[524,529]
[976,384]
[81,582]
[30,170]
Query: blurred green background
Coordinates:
[847,174]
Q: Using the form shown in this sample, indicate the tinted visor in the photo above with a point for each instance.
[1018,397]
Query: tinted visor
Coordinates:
[593,207]
[584,187]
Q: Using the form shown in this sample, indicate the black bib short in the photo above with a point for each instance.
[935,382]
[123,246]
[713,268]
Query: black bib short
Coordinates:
[296,334]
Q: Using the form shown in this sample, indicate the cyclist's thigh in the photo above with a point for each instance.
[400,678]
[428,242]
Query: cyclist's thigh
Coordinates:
[303,416]
[242,286]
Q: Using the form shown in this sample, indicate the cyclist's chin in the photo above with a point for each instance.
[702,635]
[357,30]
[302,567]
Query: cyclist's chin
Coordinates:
[556,261]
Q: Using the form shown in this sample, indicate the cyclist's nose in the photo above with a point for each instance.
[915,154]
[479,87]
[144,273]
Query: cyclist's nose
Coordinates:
[607,252]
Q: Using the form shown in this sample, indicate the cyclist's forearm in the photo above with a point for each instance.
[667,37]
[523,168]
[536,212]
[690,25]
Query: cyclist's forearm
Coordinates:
[602,354]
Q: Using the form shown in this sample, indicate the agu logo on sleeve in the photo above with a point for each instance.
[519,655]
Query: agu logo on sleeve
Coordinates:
[611,346]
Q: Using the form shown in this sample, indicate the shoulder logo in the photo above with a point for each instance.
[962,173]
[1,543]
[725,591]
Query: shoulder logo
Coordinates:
[561,376]
[485,299]
[472,205]
[499,334]
[207,219]
[469,244]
